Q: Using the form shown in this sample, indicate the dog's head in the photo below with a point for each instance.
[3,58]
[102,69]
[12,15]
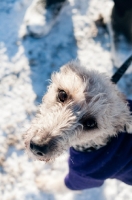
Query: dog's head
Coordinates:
[80,107]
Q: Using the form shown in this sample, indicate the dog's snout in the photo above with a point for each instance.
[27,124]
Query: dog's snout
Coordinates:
[40,150]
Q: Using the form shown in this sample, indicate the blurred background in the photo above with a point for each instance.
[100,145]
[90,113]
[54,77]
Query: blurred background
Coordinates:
[25,68]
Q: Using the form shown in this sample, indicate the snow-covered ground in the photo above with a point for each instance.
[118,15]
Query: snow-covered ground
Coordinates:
[25,67]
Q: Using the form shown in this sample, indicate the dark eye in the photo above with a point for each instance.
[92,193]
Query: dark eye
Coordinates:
[62,96]
[89,123]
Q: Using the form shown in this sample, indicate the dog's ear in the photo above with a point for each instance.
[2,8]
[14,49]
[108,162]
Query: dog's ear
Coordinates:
[127,113]
[128,124]
[129,128]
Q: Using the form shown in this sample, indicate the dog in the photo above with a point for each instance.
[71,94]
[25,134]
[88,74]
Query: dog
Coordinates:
[84,111]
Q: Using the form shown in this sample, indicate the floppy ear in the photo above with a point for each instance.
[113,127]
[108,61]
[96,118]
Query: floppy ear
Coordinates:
[129,126]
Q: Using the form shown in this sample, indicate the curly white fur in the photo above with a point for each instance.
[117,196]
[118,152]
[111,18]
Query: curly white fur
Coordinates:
[89,93]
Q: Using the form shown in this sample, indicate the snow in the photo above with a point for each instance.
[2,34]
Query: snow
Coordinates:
[25,68]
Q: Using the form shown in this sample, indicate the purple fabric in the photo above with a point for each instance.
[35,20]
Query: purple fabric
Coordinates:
[91,169]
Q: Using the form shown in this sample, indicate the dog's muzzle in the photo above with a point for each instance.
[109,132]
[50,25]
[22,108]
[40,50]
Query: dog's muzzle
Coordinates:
[39,150]
[45,149]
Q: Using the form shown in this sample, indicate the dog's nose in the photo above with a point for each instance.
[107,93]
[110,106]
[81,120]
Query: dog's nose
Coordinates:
[37,149]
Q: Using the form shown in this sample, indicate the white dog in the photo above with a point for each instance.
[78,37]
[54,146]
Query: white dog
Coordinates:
[84,111]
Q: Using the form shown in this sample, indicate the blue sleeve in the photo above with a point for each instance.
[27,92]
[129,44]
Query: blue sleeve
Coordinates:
[75,181]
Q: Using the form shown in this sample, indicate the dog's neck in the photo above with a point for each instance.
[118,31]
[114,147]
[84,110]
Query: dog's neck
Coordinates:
[91,146]
[88,147]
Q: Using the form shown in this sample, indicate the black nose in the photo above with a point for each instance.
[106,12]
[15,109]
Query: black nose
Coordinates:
[37,149]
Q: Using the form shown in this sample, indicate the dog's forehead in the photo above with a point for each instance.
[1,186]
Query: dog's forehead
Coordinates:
[70,81]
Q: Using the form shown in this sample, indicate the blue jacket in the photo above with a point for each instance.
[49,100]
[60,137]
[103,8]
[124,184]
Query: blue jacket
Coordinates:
[91,169]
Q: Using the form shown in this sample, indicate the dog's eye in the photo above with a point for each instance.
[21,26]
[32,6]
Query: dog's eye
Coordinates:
[62,96]
[89,123]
